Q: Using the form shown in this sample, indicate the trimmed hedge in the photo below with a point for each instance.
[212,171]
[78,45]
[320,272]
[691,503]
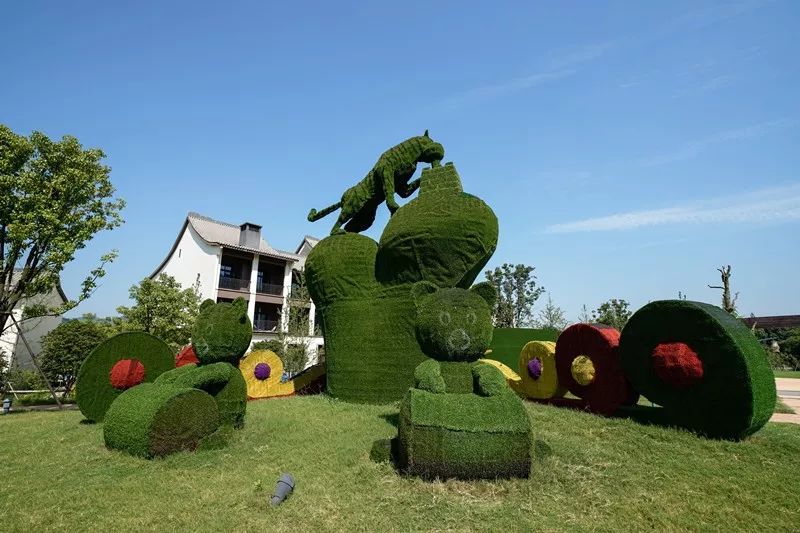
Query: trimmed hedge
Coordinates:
[223,381]
[464,436]
[537,371]
[222,332]
[153,420]
[94,390]
[731,395]
[507,343]
[363,289]
[606,387]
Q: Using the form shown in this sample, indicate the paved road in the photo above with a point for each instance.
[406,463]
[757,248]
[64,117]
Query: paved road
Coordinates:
[789,393]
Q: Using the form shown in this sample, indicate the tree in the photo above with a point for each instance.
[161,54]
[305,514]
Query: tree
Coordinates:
[551,317]
[516,294]
[584,317]
[614,313]
[296,316]
[66,347]
[728,303]
[55,197]
[164,308]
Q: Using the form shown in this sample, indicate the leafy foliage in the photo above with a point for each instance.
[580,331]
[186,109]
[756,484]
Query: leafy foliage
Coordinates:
[517,292]
[56,197]
[66,347]
[163,308]
[614,313]
[551,316]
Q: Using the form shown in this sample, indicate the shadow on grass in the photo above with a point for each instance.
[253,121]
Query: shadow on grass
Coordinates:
[392,418]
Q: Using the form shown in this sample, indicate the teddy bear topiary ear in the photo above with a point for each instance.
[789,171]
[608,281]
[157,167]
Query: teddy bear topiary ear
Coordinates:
[206,304]
[421,289]
[241,304]
[487,291]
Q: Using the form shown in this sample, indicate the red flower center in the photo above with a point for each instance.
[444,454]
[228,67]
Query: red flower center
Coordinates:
[677,364]
[126,373]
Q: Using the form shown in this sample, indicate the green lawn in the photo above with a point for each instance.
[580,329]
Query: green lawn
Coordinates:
[589,473]
[787,374]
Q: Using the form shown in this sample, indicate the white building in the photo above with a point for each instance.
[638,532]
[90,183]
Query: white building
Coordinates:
[232,261]
[12,347]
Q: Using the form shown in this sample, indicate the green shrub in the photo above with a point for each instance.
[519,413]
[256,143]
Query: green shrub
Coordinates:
[222,332]
[273,345]
[155,420]
[66,347]
[94,392]
[362,289]
[732,394]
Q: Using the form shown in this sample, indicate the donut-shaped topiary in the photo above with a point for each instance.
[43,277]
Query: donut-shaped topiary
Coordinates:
[703,366]
[116,364]
[537,371]
[587,363]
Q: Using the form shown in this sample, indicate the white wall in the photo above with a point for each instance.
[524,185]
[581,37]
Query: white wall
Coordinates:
[192,257]
[33,330]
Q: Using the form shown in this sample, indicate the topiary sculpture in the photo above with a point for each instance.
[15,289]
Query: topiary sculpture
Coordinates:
[703,366]
[587,363]
[363,288]
[537,371]
[117,364]
[460,419]
[186,405]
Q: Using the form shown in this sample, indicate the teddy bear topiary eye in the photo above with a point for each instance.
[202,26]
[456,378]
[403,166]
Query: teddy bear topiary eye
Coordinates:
[471,318]
[444,318]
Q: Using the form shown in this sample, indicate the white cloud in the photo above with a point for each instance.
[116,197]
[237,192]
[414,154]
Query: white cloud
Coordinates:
[695,148]
[778,204]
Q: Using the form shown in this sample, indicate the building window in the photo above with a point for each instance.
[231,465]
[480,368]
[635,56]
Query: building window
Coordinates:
[225,271]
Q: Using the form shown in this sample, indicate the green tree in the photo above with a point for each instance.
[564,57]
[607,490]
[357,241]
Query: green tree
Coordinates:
[517,292]
[614,313]
[584,317]
[551,316]
[55,197]
[728,301]
[66,347]
[296,316]
[163,308]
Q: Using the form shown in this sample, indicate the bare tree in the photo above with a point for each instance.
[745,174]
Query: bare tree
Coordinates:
[728,303]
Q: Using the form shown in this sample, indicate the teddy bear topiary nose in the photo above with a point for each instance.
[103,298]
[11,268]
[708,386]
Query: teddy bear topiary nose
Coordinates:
[458,341]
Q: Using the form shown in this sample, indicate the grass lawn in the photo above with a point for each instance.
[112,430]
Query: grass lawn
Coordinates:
[589,473]
[787,374]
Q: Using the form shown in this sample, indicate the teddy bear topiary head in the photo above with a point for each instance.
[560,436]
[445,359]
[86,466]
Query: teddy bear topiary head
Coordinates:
[222,332]
[454,324]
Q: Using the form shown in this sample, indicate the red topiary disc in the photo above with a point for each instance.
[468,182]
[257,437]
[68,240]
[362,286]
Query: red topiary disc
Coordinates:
[186,356]
[126,373]
[677,364]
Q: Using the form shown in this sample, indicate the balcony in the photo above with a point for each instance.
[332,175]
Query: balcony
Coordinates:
[265,324]
[274,289]
[234,284]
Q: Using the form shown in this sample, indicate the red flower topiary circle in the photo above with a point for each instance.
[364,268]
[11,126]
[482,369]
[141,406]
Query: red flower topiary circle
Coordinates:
[126,373]
[677,364]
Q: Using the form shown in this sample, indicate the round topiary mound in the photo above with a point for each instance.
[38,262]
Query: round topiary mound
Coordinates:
[703,366]
[222,332]
[155,420]
[537,371]
[100,379]
[600,381]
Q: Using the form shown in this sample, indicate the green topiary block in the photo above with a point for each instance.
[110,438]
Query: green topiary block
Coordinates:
[363,289]
[464,436]
[703,366]
[222,332]
[223,381]
[155,420]
[94,390]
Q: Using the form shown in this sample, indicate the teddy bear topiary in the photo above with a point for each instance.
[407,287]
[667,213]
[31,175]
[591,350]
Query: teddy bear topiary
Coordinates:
[186,405]
[460,419]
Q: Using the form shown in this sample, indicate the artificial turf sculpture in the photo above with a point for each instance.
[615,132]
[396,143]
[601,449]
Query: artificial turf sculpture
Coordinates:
[703,366]
[263,374]
[117,364]
[537,371]
[363,288]
[188,404]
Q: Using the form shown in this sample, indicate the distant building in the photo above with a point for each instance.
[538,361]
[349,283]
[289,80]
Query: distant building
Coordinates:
[231,261]
[12,347]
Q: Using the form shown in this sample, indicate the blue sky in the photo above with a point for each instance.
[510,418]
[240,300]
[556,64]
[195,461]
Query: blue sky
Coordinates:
[628,148]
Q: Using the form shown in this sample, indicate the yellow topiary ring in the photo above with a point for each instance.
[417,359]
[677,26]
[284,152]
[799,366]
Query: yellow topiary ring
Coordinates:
[537,370]
[582,370]
[262,371]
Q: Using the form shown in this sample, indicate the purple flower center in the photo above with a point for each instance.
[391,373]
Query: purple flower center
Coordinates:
[262,371]
[535,368]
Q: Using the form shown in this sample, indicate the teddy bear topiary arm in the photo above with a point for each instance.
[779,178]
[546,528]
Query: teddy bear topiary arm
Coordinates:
[489,381]
[428,376]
